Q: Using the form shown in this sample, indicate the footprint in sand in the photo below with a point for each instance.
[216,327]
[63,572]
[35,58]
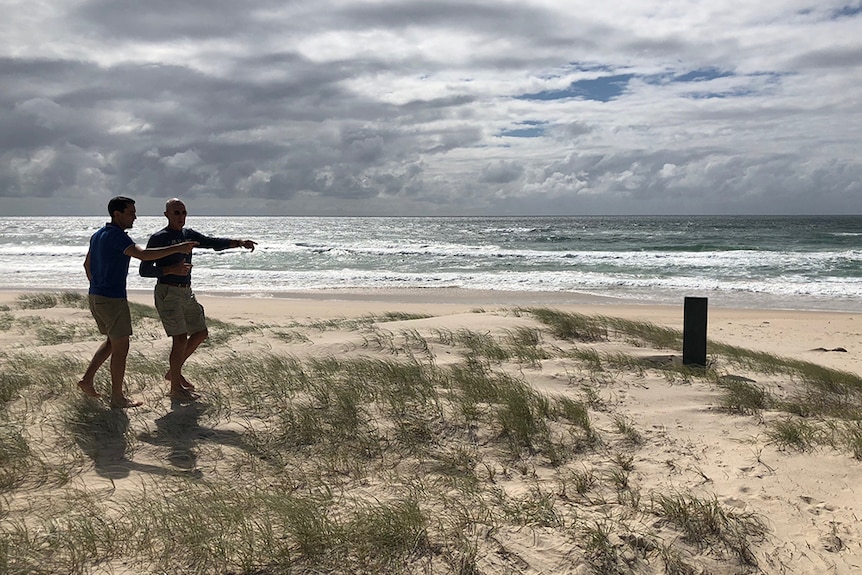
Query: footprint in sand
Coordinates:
[817,508]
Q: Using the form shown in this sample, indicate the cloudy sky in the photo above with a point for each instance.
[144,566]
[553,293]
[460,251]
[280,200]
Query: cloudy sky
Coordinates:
[444,107]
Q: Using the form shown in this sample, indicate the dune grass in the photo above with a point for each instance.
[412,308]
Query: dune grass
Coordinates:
[45,300]
[817,398]
[705,522]
[392,463]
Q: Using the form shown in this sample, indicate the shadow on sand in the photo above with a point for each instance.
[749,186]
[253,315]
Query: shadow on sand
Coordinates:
[106,437]
[181,432]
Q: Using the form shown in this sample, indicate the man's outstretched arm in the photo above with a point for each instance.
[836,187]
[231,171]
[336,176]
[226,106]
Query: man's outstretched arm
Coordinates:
[218,244]
[150,254]
[247,244]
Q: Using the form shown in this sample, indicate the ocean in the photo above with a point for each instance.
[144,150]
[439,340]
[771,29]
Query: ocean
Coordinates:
[785,262]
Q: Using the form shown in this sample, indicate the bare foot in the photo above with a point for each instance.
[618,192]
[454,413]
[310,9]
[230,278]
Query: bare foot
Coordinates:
[88,389]
[125,403]
[185,383]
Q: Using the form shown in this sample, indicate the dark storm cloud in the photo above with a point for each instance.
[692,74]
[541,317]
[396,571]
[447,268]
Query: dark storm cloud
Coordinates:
[156,20]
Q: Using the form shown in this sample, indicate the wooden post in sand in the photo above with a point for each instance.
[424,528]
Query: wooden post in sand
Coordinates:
[694,331]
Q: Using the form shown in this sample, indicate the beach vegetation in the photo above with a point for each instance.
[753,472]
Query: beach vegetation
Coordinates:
[743,396]
[16,456]
[45,300]
[46,331]
[618,477]
[626,427]
[414,340]
[675,563]
[382,340]
[704,521]
[577,483]
[399,316]
[32,377]
[220,332]
[363,322]
[591,395]
[412,451]
[603,556]
[571,326]
[849,437]
[589,359]
[795,433]
[478,345]
[583,328]
[292,336]
[525,346]
[535,508]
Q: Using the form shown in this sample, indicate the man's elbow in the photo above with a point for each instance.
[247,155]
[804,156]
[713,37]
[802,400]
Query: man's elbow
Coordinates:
[138,252]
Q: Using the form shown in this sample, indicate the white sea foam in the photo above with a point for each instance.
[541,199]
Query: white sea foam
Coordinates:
[739,261]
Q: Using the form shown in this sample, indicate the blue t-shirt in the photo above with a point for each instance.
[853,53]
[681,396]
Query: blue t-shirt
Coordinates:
[109,266]
[168,237]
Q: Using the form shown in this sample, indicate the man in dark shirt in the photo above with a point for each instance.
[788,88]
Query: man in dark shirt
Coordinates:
[107,266]
[181,314]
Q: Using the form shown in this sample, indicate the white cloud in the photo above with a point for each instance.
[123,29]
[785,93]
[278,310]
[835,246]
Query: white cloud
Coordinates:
[182,161]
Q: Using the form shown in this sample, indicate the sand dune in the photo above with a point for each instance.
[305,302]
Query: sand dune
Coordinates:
[660,433]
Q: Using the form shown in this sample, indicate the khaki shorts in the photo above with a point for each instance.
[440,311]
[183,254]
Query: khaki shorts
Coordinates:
[112,315]
[178,309]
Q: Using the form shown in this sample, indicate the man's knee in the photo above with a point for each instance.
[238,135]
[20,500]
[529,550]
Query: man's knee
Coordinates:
[119,345]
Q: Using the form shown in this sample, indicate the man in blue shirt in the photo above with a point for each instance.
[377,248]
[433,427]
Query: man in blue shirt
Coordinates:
[107,266]
[182,316]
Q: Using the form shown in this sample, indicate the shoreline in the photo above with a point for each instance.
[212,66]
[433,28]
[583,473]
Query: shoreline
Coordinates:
[462,295]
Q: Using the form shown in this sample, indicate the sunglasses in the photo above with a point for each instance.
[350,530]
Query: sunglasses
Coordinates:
[178,212]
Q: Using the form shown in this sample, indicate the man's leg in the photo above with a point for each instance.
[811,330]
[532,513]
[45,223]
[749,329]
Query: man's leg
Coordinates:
[195,340]
[176,361]
[180,314]
[192,342]
[86,384]
[119,354]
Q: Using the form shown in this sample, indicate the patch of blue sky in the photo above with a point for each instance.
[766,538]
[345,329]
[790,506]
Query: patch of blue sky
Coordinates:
[717,95]
[702,75]
[601,89]
[847,11]
[527,129]
[612,86]
[754,84]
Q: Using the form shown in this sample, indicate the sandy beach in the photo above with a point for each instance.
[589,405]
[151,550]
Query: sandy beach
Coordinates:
[672,429]
[784,332]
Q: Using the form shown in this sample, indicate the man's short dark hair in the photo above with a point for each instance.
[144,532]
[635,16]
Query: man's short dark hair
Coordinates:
[119,204]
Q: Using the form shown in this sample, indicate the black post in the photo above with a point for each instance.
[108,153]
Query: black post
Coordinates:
[694,331]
